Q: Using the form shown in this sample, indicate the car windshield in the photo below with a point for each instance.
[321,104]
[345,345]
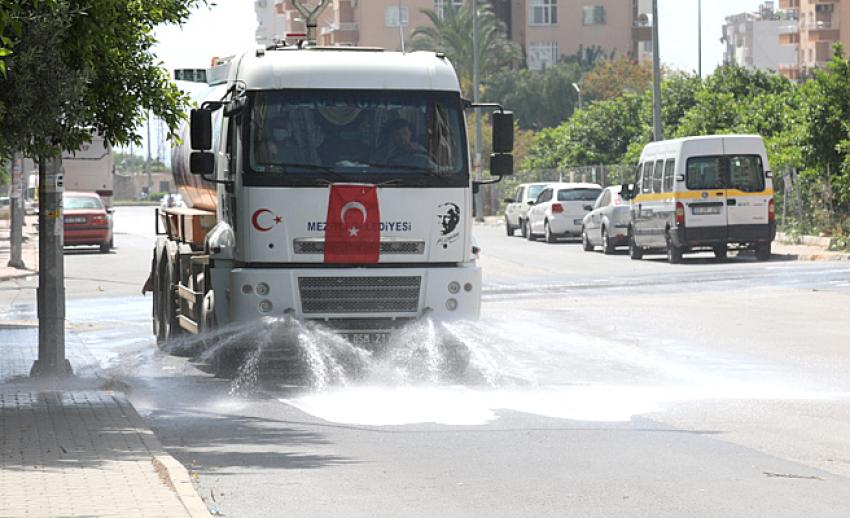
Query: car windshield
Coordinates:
[357,136]
[81,202]
[534,191]
[579,194]
[741,172]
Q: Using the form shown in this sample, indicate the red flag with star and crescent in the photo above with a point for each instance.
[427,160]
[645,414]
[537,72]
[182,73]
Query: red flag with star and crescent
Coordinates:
[353,230]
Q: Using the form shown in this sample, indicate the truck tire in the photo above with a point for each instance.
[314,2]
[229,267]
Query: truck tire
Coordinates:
[156,309]
[763,252]
[169,325]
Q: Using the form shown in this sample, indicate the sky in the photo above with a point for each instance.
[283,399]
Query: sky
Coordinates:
[228,28]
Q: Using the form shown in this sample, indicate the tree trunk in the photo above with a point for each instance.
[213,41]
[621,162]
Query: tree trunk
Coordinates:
[16,214]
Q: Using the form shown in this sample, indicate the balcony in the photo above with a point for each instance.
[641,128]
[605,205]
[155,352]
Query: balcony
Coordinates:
[790,38]
[789,4]
[641,34]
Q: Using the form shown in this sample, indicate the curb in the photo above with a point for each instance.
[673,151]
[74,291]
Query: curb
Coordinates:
[21,275]
[172,473]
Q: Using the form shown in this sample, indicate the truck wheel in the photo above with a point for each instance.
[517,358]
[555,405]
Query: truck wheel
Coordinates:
[586,245]
[550,237]
[169,324]
[607,245]
[763,252]
[721,252]
[674,253]
[635,252]
[508,228]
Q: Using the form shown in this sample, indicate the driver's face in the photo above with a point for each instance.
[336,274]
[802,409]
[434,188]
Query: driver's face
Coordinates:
[404,135]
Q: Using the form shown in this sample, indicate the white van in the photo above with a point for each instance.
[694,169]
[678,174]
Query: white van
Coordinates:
[702,193]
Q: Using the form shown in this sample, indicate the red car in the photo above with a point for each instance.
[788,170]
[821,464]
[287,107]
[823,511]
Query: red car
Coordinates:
[87,221]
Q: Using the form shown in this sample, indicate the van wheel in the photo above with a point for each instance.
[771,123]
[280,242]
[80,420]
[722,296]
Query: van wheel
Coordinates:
[763,252]
[585,241]
[721,252]
[635,252]
[523,228]
[674,253]
[550,237]
[508,228]
[607,246]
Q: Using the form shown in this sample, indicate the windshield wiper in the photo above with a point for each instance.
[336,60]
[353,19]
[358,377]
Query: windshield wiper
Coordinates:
[328,178]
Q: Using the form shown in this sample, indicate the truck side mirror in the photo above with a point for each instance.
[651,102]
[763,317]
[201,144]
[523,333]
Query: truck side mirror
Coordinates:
[503,132]
[202,163]
[201,129]
[502,164]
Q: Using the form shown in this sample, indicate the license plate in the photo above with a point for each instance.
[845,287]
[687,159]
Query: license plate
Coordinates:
[367,339]
[75,219]
[705,211]
[578,221]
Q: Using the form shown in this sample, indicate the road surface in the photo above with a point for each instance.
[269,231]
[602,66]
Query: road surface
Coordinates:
[598,386]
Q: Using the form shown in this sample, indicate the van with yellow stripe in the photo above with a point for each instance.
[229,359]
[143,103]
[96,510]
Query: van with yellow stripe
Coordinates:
[702,194]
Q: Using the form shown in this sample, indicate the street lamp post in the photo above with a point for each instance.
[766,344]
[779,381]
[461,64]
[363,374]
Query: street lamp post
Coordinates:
[658,133]
[699,38]
[577,88]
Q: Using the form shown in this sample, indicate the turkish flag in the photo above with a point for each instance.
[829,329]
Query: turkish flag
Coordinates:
[353,225]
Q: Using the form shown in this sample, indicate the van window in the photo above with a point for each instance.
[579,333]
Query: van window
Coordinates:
[646,178]
[746,173]
[658,176]
[578,194]
[669,175]
[704,173]
[741,172]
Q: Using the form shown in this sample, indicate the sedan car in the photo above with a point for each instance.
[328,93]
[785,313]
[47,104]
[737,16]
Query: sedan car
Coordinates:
[607,224]
[87,221]
[559,210]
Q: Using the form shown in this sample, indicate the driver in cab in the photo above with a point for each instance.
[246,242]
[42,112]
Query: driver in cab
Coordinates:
[400,149]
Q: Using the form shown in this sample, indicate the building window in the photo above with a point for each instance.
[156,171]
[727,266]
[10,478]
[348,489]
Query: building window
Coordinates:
[395,16]
[440,5]
[543,12]
[594,15]
[542,54]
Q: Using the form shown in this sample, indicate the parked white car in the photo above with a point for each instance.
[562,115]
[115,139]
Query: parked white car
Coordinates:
[516,212]
[608,224]
[560,209]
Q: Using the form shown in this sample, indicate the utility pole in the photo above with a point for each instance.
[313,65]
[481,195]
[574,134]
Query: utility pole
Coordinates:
[658,131]
[699,37]
[400,27]
[51,273]
[476,93]
[16,213]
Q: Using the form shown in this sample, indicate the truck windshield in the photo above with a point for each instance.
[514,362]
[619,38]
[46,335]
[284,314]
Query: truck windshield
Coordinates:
[310,137]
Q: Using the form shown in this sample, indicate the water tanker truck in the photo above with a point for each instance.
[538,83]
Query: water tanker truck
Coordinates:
[328,184]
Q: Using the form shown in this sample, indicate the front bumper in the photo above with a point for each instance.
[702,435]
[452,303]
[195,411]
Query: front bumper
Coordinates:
[362,294]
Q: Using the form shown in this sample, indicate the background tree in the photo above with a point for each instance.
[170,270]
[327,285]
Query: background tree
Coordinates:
[539,98]
[612,78]
[451,34]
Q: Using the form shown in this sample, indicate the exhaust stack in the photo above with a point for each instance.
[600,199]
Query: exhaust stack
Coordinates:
[311,17]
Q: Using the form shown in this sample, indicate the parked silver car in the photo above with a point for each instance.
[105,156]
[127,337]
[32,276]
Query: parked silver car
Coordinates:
[516,212]
[607,224]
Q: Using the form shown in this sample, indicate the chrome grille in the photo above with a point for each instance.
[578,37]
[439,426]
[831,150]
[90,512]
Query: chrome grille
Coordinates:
[359,294]
[388,247]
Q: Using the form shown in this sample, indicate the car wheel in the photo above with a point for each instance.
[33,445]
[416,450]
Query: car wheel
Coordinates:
[508,228]
[105,247]
[550,237]
[635,252]
[523,228]
[763,252]
[528,233]
[721,252]
[674,253]
[585,241]
[607,245]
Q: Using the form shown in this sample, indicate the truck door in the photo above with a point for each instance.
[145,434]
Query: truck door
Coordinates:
[747,195]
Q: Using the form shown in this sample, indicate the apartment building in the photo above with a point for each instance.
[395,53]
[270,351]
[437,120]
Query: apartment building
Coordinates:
[753,39]
[545,29]
[820,24]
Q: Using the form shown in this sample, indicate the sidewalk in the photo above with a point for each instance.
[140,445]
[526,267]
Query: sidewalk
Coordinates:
[29,252]
[70,449]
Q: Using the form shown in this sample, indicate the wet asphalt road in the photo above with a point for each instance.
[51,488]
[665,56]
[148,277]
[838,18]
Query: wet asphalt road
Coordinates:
[598,386]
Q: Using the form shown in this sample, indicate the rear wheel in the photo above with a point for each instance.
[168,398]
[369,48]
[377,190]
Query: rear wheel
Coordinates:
[674,253]
[523,228]
[550,237]
[169,325]
[607,245]
[528,234]
[763,252]
[635,252]
[156,310]
[585,241]
[721,252]
[508,228]
[105,247]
